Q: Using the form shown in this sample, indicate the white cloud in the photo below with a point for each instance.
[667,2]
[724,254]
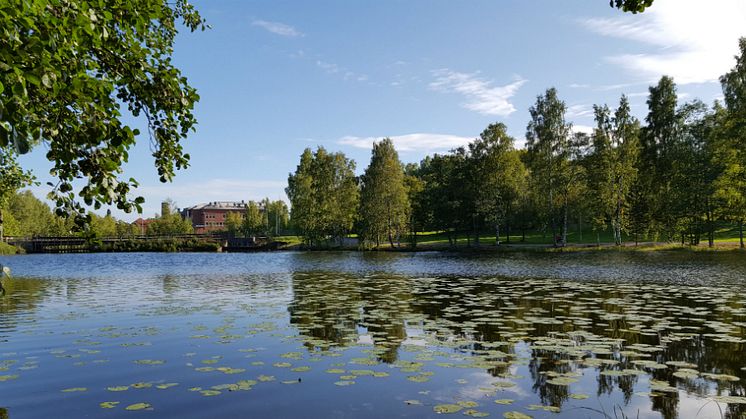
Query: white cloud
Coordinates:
[586,129]
[277,28]
[418,142]
[691,41]
[481,96]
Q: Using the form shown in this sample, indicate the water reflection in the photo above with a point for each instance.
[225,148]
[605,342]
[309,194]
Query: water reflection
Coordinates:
[637,341]
[486,329]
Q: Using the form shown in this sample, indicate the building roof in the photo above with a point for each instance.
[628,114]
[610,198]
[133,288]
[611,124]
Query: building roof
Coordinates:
[219,205]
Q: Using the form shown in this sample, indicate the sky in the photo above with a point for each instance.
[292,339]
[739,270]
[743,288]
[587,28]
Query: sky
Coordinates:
[276,77]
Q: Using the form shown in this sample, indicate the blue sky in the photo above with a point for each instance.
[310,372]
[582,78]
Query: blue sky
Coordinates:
[277,76]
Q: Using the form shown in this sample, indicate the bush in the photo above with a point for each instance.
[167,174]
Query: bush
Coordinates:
[6,249]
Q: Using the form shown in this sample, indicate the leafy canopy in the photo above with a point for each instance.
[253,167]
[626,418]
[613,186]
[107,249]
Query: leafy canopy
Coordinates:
[634,6]
[67,67]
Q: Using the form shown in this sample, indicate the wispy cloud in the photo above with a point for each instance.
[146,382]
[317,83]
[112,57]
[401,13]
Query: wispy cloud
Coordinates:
[277,28]
[417,142]
[481,95]
[579,111]
[692,43]
[346,74]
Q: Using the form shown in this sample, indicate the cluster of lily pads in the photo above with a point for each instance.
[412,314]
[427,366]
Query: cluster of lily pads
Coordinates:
[427,336]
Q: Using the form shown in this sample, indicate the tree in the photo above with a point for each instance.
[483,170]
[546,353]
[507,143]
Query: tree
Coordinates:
[255,222]
[170,222]
[548,144]
[324,196]
[634,6]
[731,185]
[418,215]
[614,165]
[384,205]
[68,66]
[277,216]
[499,175]
[658,145]
[12,178]
[234,223]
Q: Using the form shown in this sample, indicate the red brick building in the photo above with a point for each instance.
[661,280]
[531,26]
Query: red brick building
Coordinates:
[210,217]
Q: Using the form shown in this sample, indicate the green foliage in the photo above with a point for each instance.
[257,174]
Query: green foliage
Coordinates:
[384,204]
[66,69]
[256,221]
[234,223]
[170,224]
[550,149]
[6,249]
[498,178]
[27,216]
[12,177]
[613,166]
[634,6]
[278,216]
[160,245]
[324,196]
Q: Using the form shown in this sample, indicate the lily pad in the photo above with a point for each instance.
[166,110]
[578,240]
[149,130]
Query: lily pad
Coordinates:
[138,406]
[447,408]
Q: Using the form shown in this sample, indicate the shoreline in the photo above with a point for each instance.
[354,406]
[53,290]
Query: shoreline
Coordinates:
[427,248]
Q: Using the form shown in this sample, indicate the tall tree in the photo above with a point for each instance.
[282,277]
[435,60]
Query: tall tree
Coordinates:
[256,221]
[499,176]
[324,196]
[384,205]
[658,145]
[615,154]
[548,144]
[419,215]
[731,186]
[68,66]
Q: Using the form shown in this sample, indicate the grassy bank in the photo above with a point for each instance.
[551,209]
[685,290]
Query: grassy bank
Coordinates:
[163,245]
[6,249]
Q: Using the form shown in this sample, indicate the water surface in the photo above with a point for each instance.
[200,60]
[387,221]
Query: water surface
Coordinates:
[354,335]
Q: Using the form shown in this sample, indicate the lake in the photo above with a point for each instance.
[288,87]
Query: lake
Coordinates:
[353,335]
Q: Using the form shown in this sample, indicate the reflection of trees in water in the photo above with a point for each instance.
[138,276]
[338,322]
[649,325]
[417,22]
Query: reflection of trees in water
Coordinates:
[501,310]
[331,306]
[543,362]
[386,303]
[325,307]
[22,297]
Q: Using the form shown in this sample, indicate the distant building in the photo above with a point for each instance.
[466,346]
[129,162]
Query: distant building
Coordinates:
[211,216]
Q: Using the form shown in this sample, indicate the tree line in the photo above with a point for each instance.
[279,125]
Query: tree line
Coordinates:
[678,175]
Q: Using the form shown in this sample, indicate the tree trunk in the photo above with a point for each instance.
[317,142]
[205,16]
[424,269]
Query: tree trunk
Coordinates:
[564,225]
[710,229]
[476,231]
[507,232]
[580,228]
[2,226]
[497,234]
[740,232]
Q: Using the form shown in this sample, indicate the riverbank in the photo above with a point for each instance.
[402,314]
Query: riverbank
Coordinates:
[526,248]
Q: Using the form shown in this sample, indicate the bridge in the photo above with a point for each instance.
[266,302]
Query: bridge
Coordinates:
[204,242]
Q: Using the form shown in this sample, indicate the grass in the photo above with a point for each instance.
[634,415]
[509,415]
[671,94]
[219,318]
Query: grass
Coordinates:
[6,249]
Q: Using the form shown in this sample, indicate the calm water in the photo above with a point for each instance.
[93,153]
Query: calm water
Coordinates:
[319,335]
